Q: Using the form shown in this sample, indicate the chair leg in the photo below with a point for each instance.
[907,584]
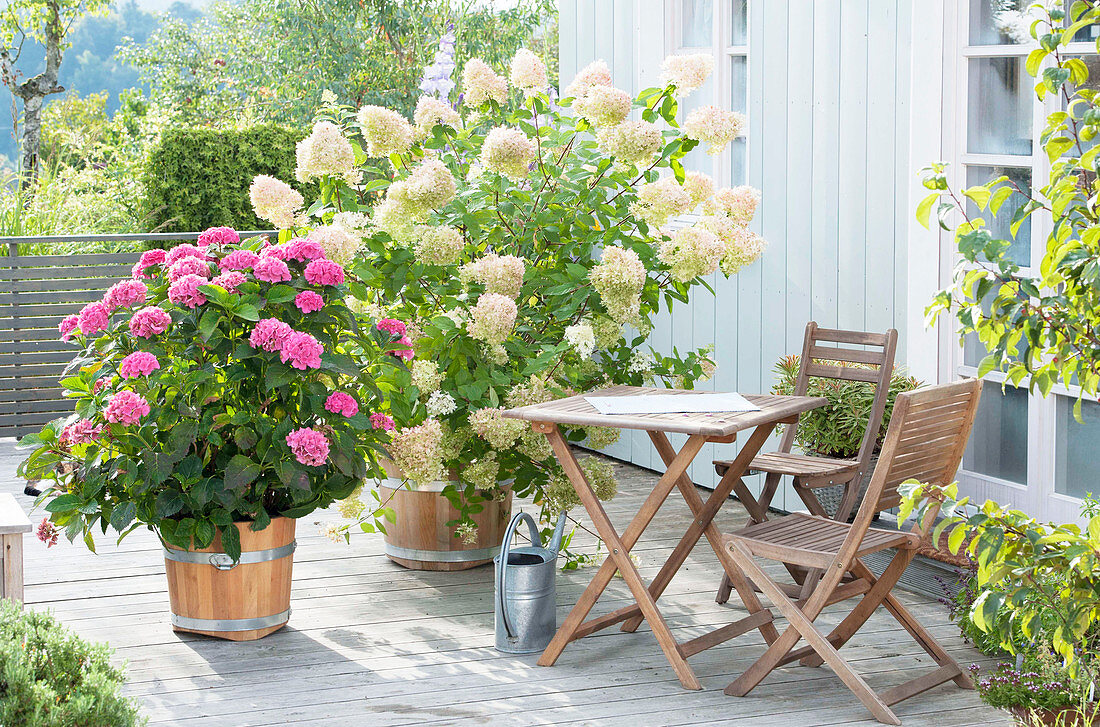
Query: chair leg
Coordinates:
[758,512]
[725,588]
[801,626]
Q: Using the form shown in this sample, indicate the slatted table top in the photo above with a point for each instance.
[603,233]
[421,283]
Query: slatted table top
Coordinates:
[575,411]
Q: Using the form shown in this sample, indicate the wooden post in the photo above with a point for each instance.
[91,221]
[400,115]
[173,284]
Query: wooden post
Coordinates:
[13,523]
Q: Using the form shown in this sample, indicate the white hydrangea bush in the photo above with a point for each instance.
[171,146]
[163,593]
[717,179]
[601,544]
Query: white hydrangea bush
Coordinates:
[518,246]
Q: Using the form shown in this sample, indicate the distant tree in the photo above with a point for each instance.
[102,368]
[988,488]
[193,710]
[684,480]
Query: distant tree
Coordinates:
[271,59]
[48,22]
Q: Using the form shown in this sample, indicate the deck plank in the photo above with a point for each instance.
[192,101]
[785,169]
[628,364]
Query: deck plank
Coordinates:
[370,639]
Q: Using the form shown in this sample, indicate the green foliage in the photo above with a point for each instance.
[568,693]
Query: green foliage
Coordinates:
[1038,584]
[197,178]
[836,429]
[49,677]
[258,59]
[212,447]
[1042,327]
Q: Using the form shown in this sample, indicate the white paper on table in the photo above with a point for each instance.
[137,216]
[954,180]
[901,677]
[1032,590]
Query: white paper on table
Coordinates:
[671,403]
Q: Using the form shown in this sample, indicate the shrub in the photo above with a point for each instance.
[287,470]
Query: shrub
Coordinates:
[836,429]
[49,677]
[197,178]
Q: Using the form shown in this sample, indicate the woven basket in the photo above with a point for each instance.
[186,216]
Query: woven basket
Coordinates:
[831,497]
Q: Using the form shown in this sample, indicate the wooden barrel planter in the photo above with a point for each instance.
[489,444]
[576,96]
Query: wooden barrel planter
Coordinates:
[421,539]
[211,595]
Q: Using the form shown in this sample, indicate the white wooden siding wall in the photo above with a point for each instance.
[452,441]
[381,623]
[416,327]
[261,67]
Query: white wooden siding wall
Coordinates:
[828,148]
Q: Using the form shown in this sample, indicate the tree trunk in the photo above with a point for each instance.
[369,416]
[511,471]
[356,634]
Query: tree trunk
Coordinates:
[32,139]
[34,90]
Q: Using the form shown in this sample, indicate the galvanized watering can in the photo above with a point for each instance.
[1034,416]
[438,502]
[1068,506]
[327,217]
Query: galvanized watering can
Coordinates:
[525,603]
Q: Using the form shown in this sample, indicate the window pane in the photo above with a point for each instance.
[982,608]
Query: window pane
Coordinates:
[739,33]
[739,95]
[1000,107]
[1077,469]
[1001,225]
[998,443]
[1000,22]
[697,23]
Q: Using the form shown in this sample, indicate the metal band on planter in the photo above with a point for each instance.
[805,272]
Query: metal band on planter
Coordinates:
[222,561]
[441,556]
[230,624]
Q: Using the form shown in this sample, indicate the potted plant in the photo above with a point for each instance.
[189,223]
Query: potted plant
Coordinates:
[222,392]
[520,249]
[836,429]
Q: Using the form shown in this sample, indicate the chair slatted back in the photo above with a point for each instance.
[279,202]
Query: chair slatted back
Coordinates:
[926,440]
[833,362]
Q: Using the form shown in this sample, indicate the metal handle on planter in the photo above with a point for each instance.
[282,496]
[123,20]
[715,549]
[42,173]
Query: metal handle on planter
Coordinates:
[505,546]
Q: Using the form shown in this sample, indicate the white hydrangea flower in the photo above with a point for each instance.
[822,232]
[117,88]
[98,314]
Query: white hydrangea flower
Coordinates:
[714,126]
[582,338]
[431,111]
[631,142]
[440,403]
[508,152]
[641,362]
[326,152]
[660,200]
[687,72]
[604,105]
[386,132]
[595,73]
[480,84]
[691,252]
[275,201]
[426,375]
[528,72]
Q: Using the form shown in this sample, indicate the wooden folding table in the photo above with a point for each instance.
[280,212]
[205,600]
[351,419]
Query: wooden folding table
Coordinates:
[701,429]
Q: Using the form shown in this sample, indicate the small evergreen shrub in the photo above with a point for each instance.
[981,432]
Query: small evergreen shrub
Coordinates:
[49,677]
[197,178]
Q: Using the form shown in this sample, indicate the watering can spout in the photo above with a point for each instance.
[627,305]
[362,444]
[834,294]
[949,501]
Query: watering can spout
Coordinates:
[555,542]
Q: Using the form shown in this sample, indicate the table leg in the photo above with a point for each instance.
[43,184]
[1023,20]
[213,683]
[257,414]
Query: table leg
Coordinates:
[704,525]
[619,554]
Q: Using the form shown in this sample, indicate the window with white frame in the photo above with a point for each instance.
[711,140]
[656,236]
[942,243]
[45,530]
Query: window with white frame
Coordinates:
[720,27]
[1025,449]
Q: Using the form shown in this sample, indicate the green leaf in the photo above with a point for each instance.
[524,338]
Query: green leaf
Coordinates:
[169,502]
[924,209]
[231,541]
[240,471]
[123,515]
[248,312]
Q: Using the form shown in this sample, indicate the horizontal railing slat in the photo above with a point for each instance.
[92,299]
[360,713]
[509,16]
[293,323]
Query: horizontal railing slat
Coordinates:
[122,237]
[30,322]
[35,334]
[56,311]
[54,272]
[51,391]
[65,261]
[64,296]
[58,407]
[34,357]
[22,420]
[21,373]
[19,287]
[38,346]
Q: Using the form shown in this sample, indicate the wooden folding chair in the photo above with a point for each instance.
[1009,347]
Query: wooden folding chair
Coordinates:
[926,439]
[810,472]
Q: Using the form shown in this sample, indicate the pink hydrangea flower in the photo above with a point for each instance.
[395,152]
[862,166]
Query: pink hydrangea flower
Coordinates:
[185,291]
[67,325]
[138,363]
[239,260]
[324,272]
[391,326]
[276,251]
[94,317]
[269,334]
[309,446]
[148,259]
[126,407]
[339,402]
[47,532]
[405,354]
[378,420]
[301,350]
[188,266]
[218,236]
[125,294]
[308,301]
[179,252]
[271,270]
[81,431]
[150,321]
[303,250]
[229,280]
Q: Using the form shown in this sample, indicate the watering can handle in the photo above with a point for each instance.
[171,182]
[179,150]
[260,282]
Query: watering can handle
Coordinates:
[502,572]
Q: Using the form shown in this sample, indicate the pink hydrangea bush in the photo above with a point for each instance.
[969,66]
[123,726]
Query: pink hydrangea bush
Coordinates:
[227,380]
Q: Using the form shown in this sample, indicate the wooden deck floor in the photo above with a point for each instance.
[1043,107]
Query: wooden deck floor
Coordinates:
[370,643]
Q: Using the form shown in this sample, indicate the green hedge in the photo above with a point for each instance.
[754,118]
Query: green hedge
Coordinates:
[198,178]
[49,677]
